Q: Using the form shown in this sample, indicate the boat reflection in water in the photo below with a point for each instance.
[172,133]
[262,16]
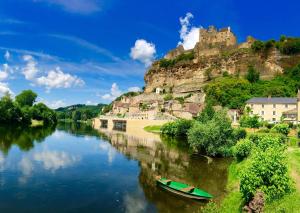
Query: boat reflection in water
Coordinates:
[171,158]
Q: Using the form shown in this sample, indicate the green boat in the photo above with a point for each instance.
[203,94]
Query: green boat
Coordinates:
[183,189]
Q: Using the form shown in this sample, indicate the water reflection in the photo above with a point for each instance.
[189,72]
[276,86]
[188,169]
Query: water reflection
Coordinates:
[80,169]
[23,137]
[170,158]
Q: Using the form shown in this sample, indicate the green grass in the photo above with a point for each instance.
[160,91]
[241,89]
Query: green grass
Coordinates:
[153,129]
[233,202]
[36,123]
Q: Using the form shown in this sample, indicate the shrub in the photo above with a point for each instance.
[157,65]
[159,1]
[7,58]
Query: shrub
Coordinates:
[282,129]
[263,130]
[239,133]
[242,149]
[252,75]
[250,121]
[177,128]
[168,97]
[266,171]
[264,140]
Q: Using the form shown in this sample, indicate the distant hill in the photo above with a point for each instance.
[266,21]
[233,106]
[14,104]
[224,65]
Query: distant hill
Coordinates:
[79,111]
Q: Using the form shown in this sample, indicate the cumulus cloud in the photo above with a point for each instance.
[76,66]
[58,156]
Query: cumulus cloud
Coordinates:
[7,55]
[189,35]
[114,93]
[91,103]
[58,79]
[143,51]
[76,6]
[30,70]
[134,89]
[4,89]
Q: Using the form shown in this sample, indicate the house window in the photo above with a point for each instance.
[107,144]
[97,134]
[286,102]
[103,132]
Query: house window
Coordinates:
[286,106]
[251,105]
[263,106]
[274,112]
[262,112]
[273,119]
[274,105]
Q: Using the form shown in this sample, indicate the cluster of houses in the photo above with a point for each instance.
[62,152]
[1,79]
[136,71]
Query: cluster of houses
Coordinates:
[154,106]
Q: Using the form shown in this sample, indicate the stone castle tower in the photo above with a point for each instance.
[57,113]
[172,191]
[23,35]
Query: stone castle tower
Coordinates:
[211,37]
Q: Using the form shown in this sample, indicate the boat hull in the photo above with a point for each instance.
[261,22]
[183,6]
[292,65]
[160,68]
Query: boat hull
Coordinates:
[180,193]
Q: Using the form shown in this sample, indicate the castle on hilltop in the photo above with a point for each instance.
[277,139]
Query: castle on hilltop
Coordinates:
[211,42]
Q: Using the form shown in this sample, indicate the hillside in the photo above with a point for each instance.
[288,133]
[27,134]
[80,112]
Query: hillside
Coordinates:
[79,111]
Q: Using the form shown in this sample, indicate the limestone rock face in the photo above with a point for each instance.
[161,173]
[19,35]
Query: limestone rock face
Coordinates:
[215,53]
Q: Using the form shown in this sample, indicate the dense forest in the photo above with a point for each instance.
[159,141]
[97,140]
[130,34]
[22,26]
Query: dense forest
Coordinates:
[79,112]
[23,110]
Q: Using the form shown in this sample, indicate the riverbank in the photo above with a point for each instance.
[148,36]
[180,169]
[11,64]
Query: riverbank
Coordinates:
[233,202]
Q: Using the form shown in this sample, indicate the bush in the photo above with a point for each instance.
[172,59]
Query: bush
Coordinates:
[263,130]
[168,97]
[250,121]
[252,75]
[214,137]
[239,133]
[282,129]
[242,149]
[177,128]
[263,140]
[266,171]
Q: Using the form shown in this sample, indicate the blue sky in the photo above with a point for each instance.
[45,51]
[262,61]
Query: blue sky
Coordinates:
[90,51]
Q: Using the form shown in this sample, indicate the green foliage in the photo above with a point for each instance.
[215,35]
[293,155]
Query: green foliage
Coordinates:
[289,46]
[266,171]
[252,75]
[242,149]
[26,98]
[128,94]
[248,121]
[180,100]
[207,113]
[177,128]
[228,92]
[214,137]
[86,112]
[257,46]
[239,133]
[282,128]
[41,112]
[168,97]
[166,63]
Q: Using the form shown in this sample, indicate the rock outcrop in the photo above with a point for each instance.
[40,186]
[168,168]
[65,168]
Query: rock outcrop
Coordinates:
[215,53]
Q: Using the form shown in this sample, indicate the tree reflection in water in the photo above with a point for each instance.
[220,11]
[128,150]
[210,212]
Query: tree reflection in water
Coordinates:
[23,137]
[172,159]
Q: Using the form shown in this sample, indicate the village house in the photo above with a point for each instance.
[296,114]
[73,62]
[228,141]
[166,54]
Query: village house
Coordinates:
[276,109]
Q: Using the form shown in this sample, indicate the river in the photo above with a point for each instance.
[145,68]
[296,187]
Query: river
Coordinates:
[75,168]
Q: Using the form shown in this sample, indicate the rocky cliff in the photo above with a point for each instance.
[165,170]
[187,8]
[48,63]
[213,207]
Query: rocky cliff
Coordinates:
[215,53]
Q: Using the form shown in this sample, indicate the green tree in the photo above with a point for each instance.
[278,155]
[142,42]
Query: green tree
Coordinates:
[76,115]
[41,112]
[252,75]
[26,98]
[215,137]
[207,113]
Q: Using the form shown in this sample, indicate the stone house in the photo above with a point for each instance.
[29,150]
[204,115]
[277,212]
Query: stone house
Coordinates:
[277,109]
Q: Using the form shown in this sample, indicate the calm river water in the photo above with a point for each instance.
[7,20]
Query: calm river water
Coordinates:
[74,168]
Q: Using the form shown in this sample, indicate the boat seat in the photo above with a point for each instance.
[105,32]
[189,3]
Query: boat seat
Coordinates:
[188,189]
[167,181]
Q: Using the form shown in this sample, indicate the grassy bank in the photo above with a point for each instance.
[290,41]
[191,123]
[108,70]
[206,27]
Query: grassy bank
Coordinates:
[153,129]
[233,202]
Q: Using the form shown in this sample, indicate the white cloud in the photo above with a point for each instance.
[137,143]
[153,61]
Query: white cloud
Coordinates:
[55,104]
[58,79]
[143,51]
[189,35]
[53,160]
[7,55]
[4,72]
[91,103]
[76,6]
[4,89]
[30,70]
[134,89]
[114,93]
